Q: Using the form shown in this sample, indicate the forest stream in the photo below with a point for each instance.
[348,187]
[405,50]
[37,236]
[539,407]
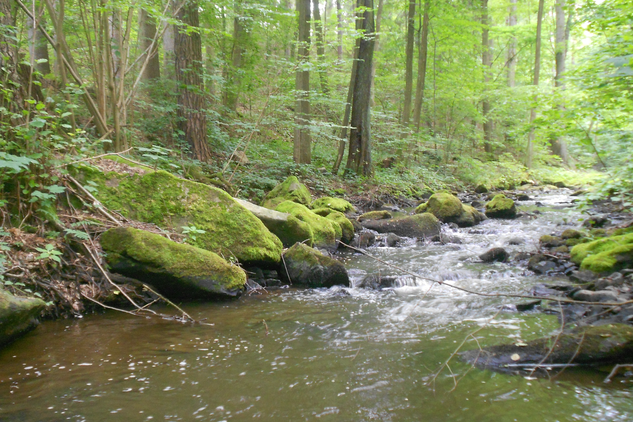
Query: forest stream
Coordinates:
[339,354]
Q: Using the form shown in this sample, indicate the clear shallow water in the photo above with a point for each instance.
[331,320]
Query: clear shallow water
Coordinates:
[340,354]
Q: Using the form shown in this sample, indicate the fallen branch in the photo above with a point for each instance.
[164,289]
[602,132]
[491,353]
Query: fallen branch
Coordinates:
[96,202]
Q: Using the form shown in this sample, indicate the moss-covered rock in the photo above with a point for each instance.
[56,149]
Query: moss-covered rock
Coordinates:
[17,315]
[347,228]
[449,209]
[501,207]
[290,190]
[420,225]
[571,234]
[176,270]
[308,267]
[550,241]
[604,255]
[590,345]
[335,204]
[325,232]
[170,202]
[286,227]
[375,215]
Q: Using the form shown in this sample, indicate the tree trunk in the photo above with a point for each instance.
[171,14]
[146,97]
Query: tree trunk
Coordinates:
[339,33]
[376,48]
[38,46]
[233,80]
[512,47]
[147,33]
[359,158]
[168,51]
[191,101]
[537,71]
[348,110]
[408,76]
[486,61]
[422,61]
[558,145]
[302,152]
[320,47]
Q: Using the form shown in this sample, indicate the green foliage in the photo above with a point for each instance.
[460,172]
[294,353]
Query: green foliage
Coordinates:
[49,252]
[190,233]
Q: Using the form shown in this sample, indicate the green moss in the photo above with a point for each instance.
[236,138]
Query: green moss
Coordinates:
[290,190]
[336,204]
[604,255]
[170,202]
[375,215]
[346,226]
[17,315]
[323,229]
[501,207]
[444,206]
[572,234]
[180,260]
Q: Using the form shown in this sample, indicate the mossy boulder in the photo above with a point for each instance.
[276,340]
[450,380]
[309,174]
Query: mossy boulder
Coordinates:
[325,232]
[172,203]
[590,345]
[375,215]
[572,234]
[420,225]
[335,204]
[308,267]
[449,209]
[347,228]
[550,241]
[286,227]
[290,190]
[17,315]
[604,255]
[501,207]
[177,270]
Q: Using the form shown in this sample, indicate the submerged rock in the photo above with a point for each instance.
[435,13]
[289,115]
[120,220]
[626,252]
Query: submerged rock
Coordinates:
[364,239]
[178,271]
[494,255]
[591,345]
[17,315]
[290,190]
[501,207]
[419,226]
[376,281]
[335,204]
[393,240]
[449,209]
[325,232]
[170,202]
[308,267]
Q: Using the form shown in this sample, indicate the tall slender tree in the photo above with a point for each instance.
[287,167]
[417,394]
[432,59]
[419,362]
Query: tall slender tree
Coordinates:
[512,45]
[423,49]
[486,61]
[537,72]
[408,76]
[558,145]
[320,48]
[302,151]
[147,33]
[191,100]
[359,157]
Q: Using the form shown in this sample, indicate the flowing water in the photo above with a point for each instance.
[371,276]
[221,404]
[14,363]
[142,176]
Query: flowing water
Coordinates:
[339,354]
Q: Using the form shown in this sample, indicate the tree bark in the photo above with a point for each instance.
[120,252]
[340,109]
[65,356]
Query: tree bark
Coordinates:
[422,61]
[512,47]
[408,77]
[486,61]
[359,157]
[38,46]
[147,33]
[558,145]
[302,151]
[191,101]
[168,51]
[537,71]
[339,32]
[233,80]
[376,48]
[320,47]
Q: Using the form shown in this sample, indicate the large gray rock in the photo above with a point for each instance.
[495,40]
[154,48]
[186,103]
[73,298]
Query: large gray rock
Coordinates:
[420,225]
[17,315]
[285,226]
[305,266]
[178,271]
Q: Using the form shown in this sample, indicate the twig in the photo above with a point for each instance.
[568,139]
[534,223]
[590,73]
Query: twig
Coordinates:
[265,325]
[169,302]
[96,202]
[615,370]
[94,158]
[112,307]
[551,350]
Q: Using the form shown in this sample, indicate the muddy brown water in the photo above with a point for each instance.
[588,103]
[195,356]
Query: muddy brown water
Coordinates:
[339,354]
